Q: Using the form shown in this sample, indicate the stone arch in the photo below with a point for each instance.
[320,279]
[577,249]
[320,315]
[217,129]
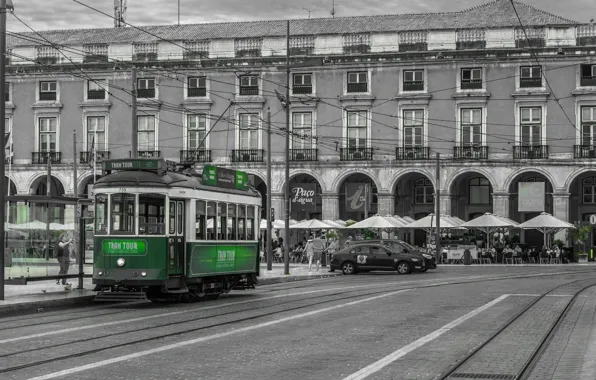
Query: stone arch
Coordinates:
[517,173]
[35,180]
[340,179]
[84,180]
[400,174]
[12,184]
[575,175]
[280,185]
[463,171]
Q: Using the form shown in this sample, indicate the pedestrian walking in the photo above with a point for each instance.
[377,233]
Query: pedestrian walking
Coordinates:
[310,252]
[319,247]
[63,257]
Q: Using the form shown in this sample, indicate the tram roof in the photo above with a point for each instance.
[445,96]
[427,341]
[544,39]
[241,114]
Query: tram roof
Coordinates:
[142,178]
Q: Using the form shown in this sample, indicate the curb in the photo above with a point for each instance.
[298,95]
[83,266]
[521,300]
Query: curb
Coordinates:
[290,278]
[28,307]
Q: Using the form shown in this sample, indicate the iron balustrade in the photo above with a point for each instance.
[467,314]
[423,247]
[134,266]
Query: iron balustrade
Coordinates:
[42,157]
[145,93]
[247,155]
[46,96]
[412,153]
[473,152]
[357,87]
[197,92]
[356,154]
[87,157]
[302,89]
[96,94]
[249,90]
[304,155]
[588,81]
[193,155]
[584,151]
[471,84]
[530,152]
[530,82]
[149,153]
[415,85]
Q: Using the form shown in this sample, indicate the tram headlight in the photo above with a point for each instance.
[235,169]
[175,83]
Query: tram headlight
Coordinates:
[143,274]
[121,262]
[100,273]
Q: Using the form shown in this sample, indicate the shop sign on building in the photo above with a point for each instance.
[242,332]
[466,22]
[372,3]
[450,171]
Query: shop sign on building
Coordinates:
[531,197]
[303,197]
[357,196]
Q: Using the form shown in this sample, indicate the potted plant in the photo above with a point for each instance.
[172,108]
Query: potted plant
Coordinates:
[582,258]
[580,235]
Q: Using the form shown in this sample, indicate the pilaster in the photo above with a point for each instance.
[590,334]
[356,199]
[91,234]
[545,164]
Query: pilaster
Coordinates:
[561,211]
[386,204]
[445,204]
[330,206]
[501,204]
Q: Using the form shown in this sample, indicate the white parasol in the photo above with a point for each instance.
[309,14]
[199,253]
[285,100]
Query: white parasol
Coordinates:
[489,223]
[546,223]
[429,222]
[377,221]
[313,224]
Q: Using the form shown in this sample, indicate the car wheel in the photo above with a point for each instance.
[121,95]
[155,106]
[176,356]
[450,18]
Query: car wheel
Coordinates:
[348,268]
[403,267]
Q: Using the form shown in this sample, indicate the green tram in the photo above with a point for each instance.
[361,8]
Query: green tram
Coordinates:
[173,233]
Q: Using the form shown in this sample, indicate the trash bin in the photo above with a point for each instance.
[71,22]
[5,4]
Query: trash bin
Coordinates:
[467,257]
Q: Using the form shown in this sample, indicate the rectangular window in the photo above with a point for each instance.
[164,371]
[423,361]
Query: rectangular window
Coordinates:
[7,91]
[588,126]
[357,129]
[96,133]
[471,126]
[197,87]
[201,220]
[197,130]
[48,91]
[249,131]
[588,75]
[302,84]
[413,128]
[302,130]
[357,81]
[531,126]
[152,209]
[145,88]
[146,133]
[471,79]
[47,134]
[530,76]
[413,80]
[249,85]
[96,89]
[123,214]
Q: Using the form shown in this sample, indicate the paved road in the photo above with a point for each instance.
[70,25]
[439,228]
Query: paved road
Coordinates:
[377,326]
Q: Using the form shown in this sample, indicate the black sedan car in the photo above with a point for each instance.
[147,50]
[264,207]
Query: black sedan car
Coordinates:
[367,256]
[430,261]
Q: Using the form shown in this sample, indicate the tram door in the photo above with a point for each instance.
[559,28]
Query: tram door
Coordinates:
[176,241]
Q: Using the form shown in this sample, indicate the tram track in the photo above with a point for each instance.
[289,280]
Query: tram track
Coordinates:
[475,358]
[323,300]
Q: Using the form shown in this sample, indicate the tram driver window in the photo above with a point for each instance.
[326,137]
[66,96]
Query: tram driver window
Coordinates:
[250,223]
[232,217]
[211,220]
[201,216]
[101,214]
[241,222]
[222,212]
[152,214]
[123,214]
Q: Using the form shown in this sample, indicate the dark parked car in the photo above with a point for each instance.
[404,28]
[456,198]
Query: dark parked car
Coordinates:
[430,261]
[366,256]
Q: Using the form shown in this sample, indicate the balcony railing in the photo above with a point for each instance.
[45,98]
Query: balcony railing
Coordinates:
[475,152]
[146,93]
[588,81]
[357,87]
[302,89]
[88,157]
[149,153]
[530,82]
[530,152]
[471,84]
[42,157]
[412,153]
[304,154]
[247,155]
[195,92]
[416,85]
[192,156]
[46,96]
[96,94]
[356,154]
[584,151]
[249,90]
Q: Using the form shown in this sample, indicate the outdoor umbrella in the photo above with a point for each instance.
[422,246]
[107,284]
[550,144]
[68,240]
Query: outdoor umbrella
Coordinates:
[429,222]
[377,221]
[313,224]
[333,223]
[489,223]
[398,220]
[35,225]
[545,223]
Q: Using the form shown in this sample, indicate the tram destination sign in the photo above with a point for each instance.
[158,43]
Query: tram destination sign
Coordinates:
[225,178]
[133,164]
[124,247]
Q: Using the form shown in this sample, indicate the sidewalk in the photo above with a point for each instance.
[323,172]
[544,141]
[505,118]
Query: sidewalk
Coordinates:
[39,294]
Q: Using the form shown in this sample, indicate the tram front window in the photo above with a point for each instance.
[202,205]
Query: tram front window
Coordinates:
[123,214]
[152,214]
[101,214]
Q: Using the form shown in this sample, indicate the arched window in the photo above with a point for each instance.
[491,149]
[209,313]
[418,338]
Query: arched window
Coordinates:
[424,191]
[589,190]
[479,191]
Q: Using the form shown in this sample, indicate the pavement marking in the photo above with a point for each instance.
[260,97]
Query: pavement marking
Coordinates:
[377,366]
[102,363]
[538,295]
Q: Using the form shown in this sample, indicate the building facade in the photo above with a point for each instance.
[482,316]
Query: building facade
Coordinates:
[373,100]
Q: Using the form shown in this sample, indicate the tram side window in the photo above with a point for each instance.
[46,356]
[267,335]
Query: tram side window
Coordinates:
[232,220]
[172,218]
[123,214]
[101,214]
[201,216]
[152,214]
[211,221]
[222,209]
[250,223]
[241,222]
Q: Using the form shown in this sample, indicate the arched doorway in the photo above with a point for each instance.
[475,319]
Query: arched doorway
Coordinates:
[471,196]
[261,186]
[39,211]
[86,186]
[530,237]
[353,204]
[414,197]
[582,202]
[302,205]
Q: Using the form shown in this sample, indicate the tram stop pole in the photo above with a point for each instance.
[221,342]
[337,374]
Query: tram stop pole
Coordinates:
[82,240]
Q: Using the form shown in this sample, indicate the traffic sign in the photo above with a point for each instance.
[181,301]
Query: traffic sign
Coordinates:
[593,219]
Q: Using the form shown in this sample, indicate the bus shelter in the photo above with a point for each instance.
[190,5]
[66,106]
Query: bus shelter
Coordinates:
[35,224]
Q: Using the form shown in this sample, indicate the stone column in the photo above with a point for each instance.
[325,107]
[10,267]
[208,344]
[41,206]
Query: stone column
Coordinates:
[386,204]
[445,204]
[278,204]
[561,211]
[501,204]
[330,206]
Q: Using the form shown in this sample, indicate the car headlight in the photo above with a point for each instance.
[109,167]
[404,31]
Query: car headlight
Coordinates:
[121,262]
[427,256]
[415,259]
